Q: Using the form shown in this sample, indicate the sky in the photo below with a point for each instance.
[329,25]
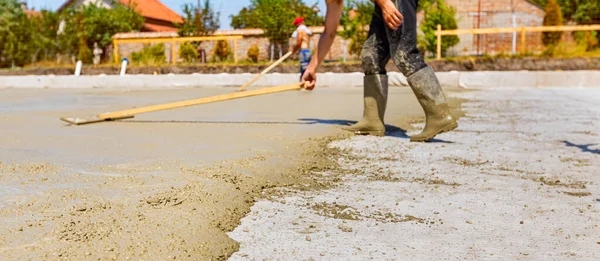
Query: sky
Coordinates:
[225,7]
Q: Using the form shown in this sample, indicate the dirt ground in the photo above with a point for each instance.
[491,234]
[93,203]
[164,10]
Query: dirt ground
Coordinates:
[518,180]
[162,185]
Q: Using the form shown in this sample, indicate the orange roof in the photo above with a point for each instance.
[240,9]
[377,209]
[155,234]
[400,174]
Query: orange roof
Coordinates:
[154,9]
[30,12]
[159,28]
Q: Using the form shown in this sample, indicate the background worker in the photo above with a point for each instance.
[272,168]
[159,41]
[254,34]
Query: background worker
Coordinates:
[392,35]
[302,35]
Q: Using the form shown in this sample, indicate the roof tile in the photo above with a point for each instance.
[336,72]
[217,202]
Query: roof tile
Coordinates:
[154,9]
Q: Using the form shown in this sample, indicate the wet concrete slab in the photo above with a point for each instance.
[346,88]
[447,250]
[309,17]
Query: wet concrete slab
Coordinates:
[71,191]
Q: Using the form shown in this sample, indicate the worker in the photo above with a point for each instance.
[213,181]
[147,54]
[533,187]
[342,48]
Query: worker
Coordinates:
[392,35]
[302,35]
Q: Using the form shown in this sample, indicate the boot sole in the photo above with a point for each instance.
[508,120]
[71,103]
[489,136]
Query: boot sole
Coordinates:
[447,128]
[366,132]
[371,133]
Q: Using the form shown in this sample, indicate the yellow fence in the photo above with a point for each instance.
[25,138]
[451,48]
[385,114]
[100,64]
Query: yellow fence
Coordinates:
[523,30]
[174,41]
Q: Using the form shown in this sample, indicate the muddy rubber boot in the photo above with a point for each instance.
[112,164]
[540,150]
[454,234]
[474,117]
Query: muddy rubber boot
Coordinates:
[438,119]
[375,102]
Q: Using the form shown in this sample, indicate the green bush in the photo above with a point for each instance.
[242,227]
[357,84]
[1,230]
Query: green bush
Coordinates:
[188,52]
[253,53]
[439,13]
[150,55]
[222,50]
[553,17]
[589,39]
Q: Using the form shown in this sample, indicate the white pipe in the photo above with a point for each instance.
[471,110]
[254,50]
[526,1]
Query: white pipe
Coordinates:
[123,67]
[78,66]
[272,52]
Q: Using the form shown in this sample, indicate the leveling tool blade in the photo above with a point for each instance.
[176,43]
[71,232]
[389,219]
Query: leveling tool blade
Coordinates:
[118,115]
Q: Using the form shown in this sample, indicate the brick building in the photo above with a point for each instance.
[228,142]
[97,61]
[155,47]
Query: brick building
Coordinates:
[472,14]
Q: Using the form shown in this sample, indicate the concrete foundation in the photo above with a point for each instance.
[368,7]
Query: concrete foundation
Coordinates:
[530,79]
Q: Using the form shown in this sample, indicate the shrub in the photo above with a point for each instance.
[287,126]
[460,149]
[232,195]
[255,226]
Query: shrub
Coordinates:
[149,55]
[222,50]
[553,17]
[589,39]
[253,53]
[439,13]
[188,52]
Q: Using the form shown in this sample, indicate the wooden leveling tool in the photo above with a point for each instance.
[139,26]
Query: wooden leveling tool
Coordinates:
[118,115]
[265,71]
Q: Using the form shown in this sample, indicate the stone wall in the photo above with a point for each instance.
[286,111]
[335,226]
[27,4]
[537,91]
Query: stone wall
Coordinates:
[251,38]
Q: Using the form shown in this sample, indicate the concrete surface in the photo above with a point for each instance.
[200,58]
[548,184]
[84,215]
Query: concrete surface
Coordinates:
[532,79]
[162,185]
[518,180]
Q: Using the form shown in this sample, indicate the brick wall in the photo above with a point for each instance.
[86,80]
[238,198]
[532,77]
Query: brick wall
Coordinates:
[497,13]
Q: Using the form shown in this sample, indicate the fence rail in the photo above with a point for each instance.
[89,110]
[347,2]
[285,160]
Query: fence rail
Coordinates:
[174,41]
[523,30]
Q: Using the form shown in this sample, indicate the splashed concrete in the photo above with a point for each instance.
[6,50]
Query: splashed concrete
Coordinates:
[519,180]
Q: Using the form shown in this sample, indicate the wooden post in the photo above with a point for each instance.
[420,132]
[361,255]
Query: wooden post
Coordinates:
[235,49]
[439,42]
[523,39]
[116,50]
[173,52]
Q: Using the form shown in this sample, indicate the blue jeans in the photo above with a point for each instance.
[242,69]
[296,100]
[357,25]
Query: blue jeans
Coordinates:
[304,57]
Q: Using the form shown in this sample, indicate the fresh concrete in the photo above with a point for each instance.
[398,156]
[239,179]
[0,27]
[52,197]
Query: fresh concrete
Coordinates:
[519,180]
[161,185]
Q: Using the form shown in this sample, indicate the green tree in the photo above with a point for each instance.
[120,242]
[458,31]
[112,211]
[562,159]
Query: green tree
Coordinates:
[253,53]
[44,31]
[553,17]
[87,24]
[222,50]
[356,17]
[15,34]
[438,13]
[188,52]
[275,17]
[199,20]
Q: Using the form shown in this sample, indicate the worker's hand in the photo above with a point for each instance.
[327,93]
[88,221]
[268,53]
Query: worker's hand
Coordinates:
[392,17]
[309,78]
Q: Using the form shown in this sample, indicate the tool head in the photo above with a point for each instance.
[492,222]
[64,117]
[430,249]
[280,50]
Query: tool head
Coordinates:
[81,121]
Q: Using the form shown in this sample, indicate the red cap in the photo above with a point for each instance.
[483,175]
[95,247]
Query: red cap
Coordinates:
[298,20]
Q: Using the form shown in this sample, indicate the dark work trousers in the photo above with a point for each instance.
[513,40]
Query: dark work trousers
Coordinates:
[400,45]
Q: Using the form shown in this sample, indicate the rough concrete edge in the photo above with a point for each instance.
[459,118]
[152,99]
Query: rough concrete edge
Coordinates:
[476,80]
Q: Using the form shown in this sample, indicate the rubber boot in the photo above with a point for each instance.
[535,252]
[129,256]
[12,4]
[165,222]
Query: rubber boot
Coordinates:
[438,119]
[375,102]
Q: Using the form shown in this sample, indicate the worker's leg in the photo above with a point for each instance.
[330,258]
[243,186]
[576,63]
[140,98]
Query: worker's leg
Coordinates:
[375,55]
[421,78]
[304,57]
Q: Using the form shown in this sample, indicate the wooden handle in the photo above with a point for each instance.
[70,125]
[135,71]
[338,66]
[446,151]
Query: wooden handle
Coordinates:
[224,97]
[265,71]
